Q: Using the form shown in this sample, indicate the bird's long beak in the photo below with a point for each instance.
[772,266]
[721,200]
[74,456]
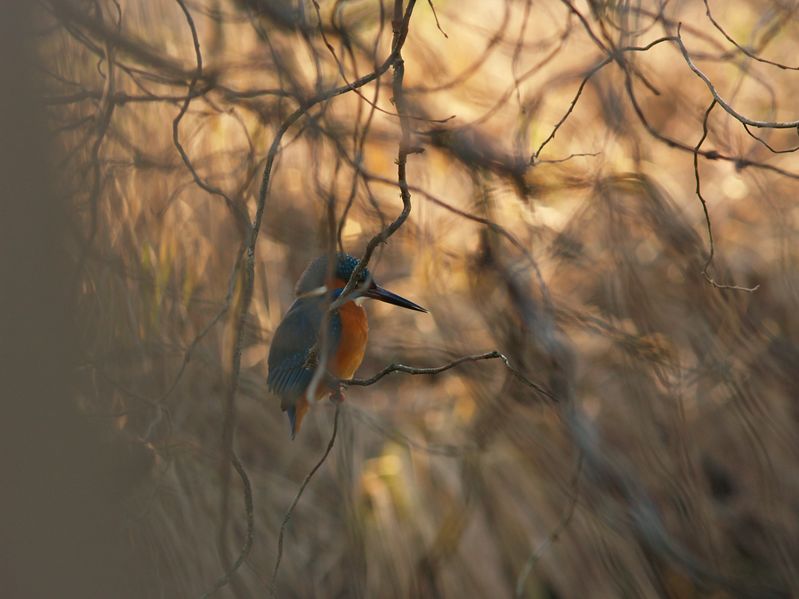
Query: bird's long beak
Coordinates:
[384,295]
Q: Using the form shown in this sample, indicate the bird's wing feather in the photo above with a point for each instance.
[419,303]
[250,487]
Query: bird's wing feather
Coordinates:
[295,337]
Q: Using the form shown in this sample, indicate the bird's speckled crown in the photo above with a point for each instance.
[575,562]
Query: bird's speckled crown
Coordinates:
[316,273]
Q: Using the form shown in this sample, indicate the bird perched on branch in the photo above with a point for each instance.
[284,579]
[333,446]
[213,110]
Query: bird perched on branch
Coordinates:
[300,344]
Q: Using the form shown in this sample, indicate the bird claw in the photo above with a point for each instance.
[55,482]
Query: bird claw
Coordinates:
[337,396]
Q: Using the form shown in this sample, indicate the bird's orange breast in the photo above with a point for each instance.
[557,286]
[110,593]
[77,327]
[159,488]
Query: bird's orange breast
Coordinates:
[352,344]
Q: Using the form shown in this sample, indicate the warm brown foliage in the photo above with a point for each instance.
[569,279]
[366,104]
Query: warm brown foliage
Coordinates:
[660,459]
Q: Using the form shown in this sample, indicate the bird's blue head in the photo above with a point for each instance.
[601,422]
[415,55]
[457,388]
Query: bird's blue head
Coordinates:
[318,275]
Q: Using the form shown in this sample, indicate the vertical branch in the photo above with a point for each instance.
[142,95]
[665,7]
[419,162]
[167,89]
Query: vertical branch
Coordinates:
[239,214]
[553,536]
[290,511]
[712,247]
[248,258]
[400,30]
[399,102]
[102,123]
[227,443]
[248,540]
[399,24]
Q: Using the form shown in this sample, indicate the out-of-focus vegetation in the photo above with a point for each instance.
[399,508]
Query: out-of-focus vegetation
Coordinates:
[661,462]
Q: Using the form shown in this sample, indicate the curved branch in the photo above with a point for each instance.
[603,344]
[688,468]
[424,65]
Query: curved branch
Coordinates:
[712,248]
[492,355]
[729,109]
[397,367]
[237,211]
[746,51]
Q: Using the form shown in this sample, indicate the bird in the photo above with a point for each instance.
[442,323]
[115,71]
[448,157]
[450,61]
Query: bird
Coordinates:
[295,346]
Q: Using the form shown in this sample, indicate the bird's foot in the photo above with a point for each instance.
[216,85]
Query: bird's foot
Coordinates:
[337,396]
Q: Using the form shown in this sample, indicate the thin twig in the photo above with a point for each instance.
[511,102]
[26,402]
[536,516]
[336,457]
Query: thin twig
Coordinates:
[236,210]
[397,367]
[492,355]
[187,355]
[740,162]
[241,221]
[475,66]
[765,143]
[343,74]
[729,109]
[102,124]
[586,78]
[610,50]
[248,539]
[290,511]
[400,25]
[248,272]
[569,157]
[743,49]
[593,71]
[435,16]
[70,12]
[712,248]
[565,520]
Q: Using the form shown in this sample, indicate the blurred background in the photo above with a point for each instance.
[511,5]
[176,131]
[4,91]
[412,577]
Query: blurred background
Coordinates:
[649,448]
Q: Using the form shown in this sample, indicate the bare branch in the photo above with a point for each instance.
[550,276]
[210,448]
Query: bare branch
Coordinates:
[565,520]
[712,250]
[237,211]
[248,539]
[593,71]
[290,511]
[721,102]
[493,355]
[743,49]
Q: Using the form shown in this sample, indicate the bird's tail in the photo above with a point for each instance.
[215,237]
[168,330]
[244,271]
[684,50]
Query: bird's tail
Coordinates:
[296,413]
[292,413]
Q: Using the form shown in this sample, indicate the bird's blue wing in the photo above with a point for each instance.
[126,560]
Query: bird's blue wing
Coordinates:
[295,337]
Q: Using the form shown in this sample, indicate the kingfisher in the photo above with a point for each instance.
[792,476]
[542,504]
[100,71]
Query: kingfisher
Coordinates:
[293,355]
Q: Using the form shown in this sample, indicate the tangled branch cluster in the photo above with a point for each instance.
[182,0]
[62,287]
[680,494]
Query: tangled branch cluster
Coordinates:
[210,148]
